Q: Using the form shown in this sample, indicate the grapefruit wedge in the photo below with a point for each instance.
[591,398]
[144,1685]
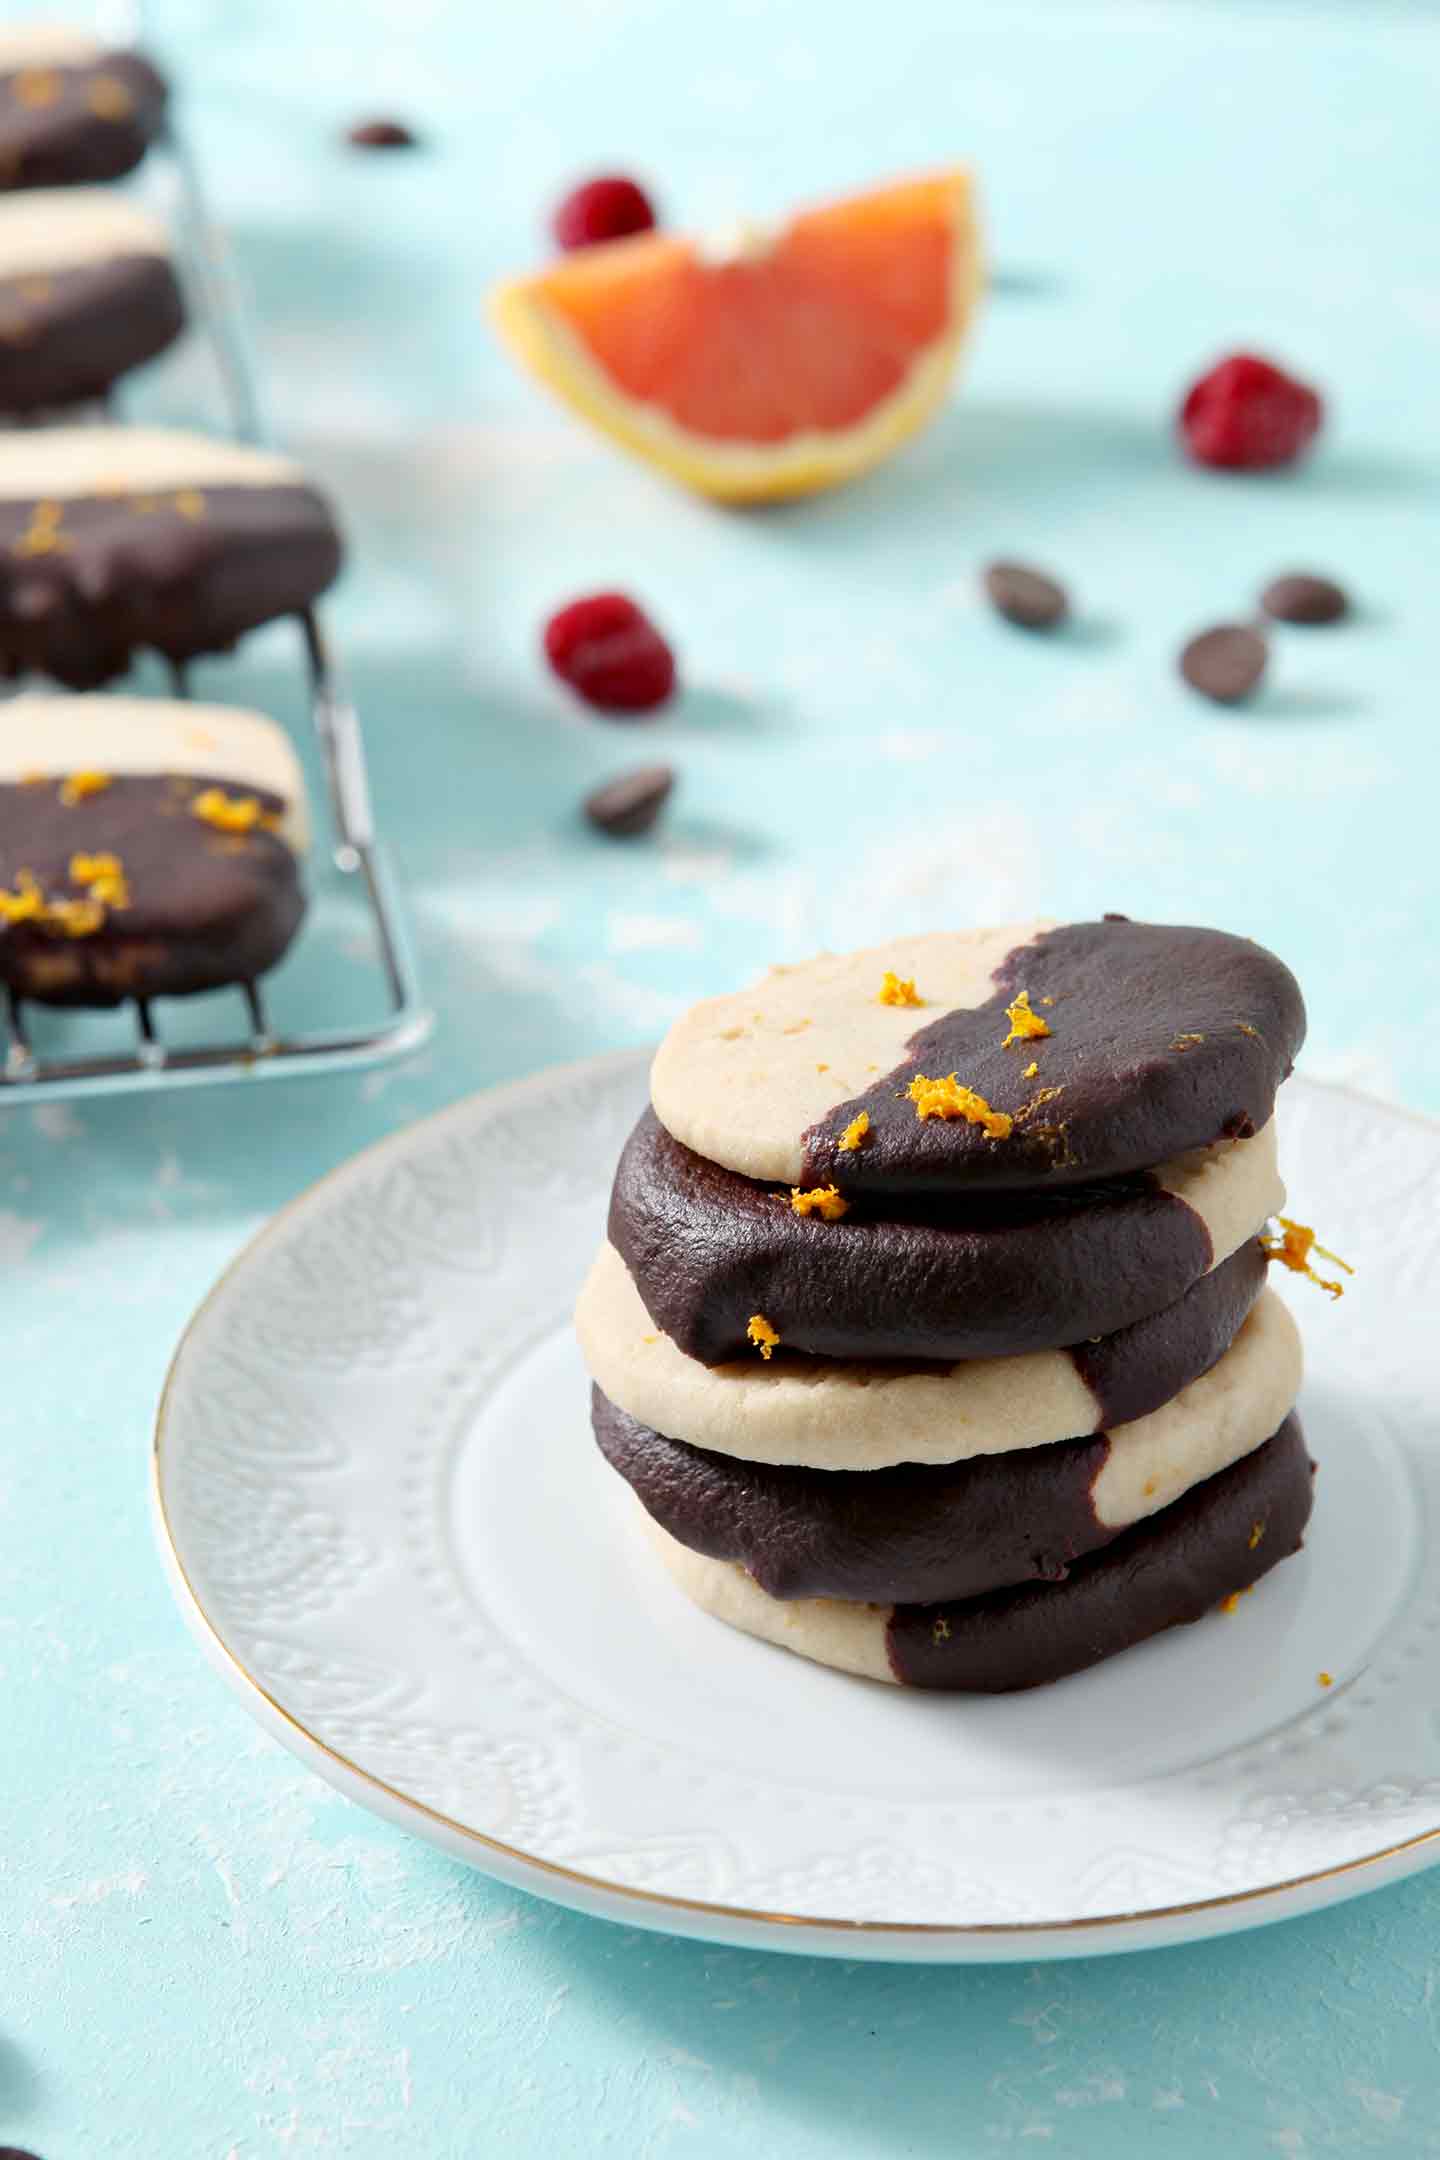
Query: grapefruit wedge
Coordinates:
[777,365]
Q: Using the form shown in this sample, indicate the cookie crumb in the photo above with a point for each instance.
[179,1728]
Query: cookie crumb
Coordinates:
[762,1335]
[1024,1024]
[945,1098]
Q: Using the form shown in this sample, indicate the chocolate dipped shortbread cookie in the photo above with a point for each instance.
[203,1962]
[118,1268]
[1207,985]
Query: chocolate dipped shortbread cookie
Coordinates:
[919,1533]
[966,1277]
[857,1414]
[71,109]
[1027,1059]
[1172,1569]
[87,292]
[937,1347]
[113,540]
[147,848]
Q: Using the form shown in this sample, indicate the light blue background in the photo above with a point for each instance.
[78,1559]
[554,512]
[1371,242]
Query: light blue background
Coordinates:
[205,1955]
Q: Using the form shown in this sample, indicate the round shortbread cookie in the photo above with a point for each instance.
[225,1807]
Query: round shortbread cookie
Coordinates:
[923,1534]
[1171,1569]
[66,464]
[1079,1052]
[150,736]
[826,1415]
[715,1255]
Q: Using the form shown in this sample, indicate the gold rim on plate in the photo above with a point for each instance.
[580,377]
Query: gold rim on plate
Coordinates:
[656,1900]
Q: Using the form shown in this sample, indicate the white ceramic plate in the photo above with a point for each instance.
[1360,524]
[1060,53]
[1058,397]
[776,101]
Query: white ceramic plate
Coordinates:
[385,1519]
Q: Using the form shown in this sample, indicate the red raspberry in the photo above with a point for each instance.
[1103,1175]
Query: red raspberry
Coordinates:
[610,653]
[606,208]
[1247,414]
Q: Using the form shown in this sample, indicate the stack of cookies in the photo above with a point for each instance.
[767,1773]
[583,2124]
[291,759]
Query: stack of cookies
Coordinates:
[932,1329]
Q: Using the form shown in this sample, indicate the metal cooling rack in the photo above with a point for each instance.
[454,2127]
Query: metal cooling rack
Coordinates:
[141,1057]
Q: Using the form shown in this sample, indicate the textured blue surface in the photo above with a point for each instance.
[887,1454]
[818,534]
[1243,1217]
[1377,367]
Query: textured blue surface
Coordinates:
[205,1952]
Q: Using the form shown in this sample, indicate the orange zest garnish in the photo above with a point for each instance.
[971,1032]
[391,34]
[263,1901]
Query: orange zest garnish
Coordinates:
[228,813]
[81,785]
[826,1201]
[1031,1072]
[762,1335]
[1293,1248]
[946,1098]
[854,1133]
[1024,1024]
[1326,1679]
[103,877]
[897,990]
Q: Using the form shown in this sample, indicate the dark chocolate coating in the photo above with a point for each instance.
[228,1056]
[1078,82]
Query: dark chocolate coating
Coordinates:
[183,571]
[207,908]
[67,335]
[980,1278]
[63,126]
[1162,1573]
[917,1532]
[1140,1367]
[1163,1039]
[914,1534]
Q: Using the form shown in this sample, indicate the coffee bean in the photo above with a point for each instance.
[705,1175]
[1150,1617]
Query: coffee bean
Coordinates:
[630,803]
[1301,597]
[381,135]
[1225,663]
[1026,597]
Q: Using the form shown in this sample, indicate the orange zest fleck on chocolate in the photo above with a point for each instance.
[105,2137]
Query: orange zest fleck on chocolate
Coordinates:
[1187,1042]
[826,1201]
[939,1629]
[109,99]
[80,786]
[103,877]
[228,813]
[25,904]
[1293,1248]
[1257,1531]
[945,1098]
[42,536]
[1025,1025]
[36,87]
[762,1335]
[28,904]
[1031,1071]
[854,1133]
[898,990]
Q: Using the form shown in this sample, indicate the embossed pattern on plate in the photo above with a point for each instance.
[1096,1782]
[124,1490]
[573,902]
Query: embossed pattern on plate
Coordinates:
[385,1518]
